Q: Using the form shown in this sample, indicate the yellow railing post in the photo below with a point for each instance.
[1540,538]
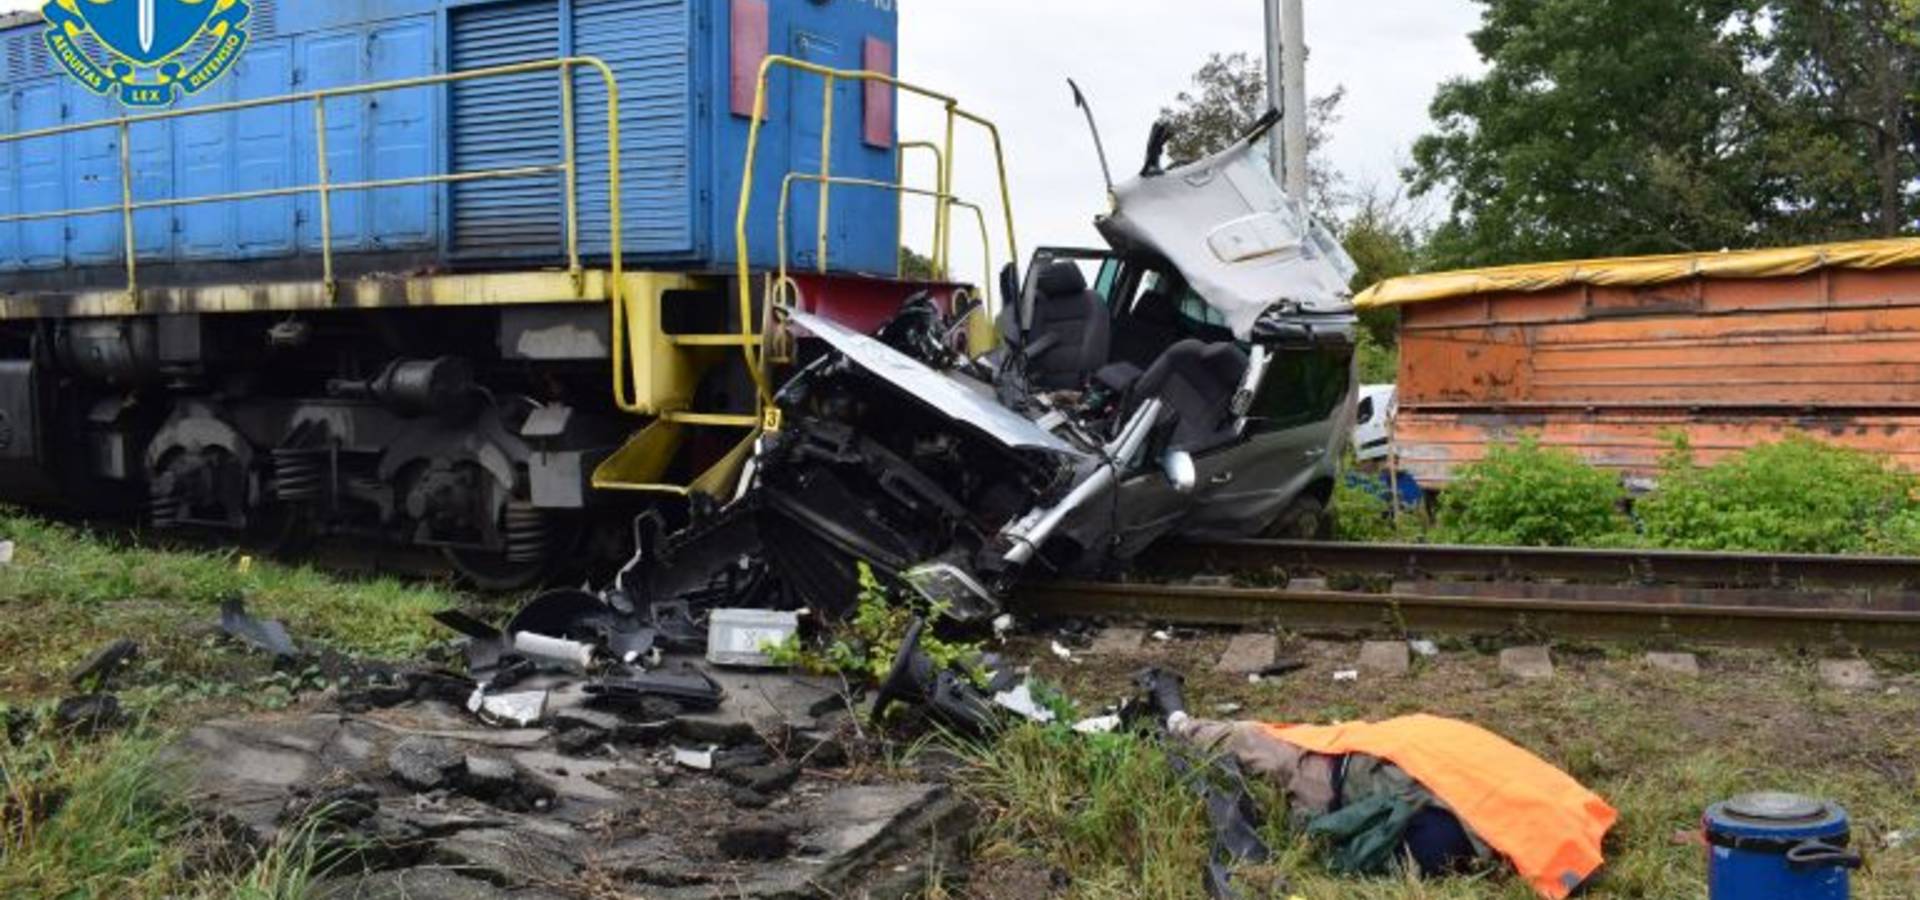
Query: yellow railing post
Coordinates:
[943,255]
[323,172]
[1000,165]
[900,176]
[743,268]
[826,172]
[126,212]
[786,197]
[572,179]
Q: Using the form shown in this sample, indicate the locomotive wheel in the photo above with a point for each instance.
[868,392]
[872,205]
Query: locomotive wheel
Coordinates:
[536,543]
[493,571]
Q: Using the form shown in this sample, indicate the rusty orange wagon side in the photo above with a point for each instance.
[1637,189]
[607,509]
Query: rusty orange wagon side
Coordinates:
[1606,357]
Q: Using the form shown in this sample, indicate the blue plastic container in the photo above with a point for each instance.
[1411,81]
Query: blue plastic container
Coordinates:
[1773,846]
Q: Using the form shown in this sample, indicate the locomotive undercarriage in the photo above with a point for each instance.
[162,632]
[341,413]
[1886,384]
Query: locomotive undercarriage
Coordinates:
[470,433]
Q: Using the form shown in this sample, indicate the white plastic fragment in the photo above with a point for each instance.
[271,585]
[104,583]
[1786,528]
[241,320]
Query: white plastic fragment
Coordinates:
[6,553]
[1424,648]
[694,759]
[1002,625]
[1347,675]
[1098,725]
[1227,709]
[554,650]
[1020,701]
[1061,651]
[1163,636]
[518,710]
[741,637]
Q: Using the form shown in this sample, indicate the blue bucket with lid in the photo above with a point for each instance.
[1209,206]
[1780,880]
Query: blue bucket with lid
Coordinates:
[1774,846]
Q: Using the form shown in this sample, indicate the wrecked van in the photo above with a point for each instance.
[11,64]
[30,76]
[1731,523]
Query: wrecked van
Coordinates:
[1195,378]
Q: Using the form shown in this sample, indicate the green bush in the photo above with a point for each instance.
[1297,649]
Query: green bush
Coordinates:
[1523,494]
[1796,496]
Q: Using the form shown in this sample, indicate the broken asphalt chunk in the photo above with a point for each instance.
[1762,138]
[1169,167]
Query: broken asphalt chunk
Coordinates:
[269,635]
[768,779]
[425,764]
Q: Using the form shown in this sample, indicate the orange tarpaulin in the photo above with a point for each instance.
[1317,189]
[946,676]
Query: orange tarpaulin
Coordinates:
[1546,824]
[1640,271]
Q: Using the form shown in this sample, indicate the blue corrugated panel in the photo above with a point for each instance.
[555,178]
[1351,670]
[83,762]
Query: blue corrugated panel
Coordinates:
[649,45]
[682,142]
[503,123]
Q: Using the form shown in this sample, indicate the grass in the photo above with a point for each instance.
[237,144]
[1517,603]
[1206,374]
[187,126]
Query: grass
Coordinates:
[1109,813]
[103,818]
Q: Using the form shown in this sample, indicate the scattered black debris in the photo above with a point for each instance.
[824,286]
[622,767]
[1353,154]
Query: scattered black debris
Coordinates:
[760,841]
[949,696]
[767,779]
[89,715]
[269,635]
[1216,779]
[1282,668]
[747,798]
[94,675]
[688,687]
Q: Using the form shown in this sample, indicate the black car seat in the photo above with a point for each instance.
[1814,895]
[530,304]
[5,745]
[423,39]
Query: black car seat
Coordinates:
[1071,334]
[1196,380]
[1148,330]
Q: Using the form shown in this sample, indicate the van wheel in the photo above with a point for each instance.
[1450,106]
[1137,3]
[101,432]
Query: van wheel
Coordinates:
[1305,520]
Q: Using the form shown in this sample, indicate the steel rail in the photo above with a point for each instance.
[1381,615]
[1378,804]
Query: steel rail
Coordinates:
[1414,561]
[1311,611]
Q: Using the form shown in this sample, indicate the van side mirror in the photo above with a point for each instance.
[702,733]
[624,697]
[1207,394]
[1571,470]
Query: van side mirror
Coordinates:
[1180,470]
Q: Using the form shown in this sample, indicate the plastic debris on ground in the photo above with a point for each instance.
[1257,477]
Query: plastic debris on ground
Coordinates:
[1021,702]
[1347,675]
[1424,648]
[516,710]
[269,635]
[1098,725]
[740,637]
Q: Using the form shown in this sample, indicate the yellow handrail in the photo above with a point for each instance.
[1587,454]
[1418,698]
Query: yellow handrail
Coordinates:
[943,196]
[325,187]
[786,186]
[900,176]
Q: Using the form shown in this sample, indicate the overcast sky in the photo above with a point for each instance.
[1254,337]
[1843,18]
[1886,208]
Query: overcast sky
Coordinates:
[1009,60]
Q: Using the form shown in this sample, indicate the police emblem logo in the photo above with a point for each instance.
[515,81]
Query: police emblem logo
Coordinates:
[144,43]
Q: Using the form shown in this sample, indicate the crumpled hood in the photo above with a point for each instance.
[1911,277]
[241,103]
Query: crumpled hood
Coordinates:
[1234,234]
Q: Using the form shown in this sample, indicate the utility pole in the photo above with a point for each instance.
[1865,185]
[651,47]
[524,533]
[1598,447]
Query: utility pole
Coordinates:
[1287,92]
[1276,140]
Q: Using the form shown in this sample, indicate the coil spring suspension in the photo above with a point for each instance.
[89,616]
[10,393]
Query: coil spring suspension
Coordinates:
[527,533]
[299,475]
[164,506]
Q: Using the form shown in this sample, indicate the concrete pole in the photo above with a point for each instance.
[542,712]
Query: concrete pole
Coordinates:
[1293,30]
[1276,140]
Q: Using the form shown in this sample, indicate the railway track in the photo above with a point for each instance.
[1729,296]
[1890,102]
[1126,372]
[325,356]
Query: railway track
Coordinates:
[1754,599]
[1664,567]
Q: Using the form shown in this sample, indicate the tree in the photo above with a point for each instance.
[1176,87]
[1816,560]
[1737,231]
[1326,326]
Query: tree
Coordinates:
[1840,79]
[1607,127]
[1385,232]
[915,267]
[1229,96]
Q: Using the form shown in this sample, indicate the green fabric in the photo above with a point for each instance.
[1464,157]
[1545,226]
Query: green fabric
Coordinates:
[1366,835]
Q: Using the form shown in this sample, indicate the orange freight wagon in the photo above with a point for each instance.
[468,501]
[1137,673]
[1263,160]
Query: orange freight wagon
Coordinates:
[1606,357]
